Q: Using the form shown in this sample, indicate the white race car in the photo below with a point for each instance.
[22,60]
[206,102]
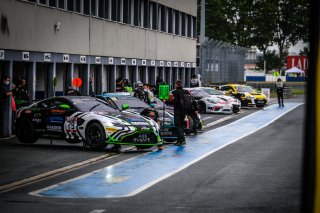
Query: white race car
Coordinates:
[210,104]
[236,104]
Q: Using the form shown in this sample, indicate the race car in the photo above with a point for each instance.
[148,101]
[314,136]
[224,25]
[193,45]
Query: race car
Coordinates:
[241,92]
[166,118]
[85,119]
[236,104]
[135,105]
[260,99]
[208,103]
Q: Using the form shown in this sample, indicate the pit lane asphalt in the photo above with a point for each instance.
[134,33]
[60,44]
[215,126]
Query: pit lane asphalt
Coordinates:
[31,162]
[259,173]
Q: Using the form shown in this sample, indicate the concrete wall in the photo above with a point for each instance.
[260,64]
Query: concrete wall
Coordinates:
[31,27]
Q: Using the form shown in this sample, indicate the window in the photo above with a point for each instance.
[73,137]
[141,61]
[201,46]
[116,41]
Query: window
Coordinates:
[162,18]
[114,10]
[70,5]
[189,25]
[78,6]
[170,21]
[177,23]
[127,11]
[145,13]
[120,10]
[61,4]
[183,24]
[136,12]
[153,15]
[86,7]
[101,8]
[34,1]
[107,8]
[94,7]
[194,27]
[42,1]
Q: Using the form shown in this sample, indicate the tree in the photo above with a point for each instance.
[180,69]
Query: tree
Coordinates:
[272,60]
[291,23]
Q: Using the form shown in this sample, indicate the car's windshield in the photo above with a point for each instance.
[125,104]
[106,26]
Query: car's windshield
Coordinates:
[131,101]
[199,93]
[243,89]
[212,91]
[90,104]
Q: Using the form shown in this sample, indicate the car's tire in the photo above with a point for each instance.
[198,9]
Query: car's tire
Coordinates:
[95,136]
[143,147]
[25,131]
[202,107]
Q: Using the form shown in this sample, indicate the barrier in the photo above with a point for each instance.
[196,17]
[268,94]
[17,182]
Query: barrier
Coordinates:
[287,92]
[255,78]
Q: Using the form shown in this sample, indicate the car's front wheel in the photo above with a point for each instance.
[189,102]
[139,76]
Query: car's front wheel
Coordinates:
[25,131]
[202,107]
[95,136]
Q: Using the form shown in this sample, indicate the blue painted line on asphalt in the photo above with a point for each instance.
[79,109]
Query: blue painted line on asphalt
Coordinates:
[132,176]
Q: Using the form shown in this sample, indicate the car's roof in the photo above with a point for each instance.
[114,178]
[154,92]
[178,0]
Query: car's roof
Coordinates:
[192,88]
[74,97]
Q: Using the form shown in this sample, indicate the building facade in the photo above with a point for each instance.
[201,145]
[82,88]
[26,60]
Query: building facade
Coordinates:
[98,41]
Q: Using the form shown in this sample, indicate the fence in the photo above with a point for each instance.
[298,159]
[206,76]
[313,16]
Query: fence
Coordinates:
[221,62]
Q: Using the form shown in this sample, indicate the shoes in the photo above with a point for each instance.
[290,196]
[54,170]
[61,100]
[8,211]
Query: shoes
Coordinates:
[160,147]
[282,105]
[180,143]
[195,132]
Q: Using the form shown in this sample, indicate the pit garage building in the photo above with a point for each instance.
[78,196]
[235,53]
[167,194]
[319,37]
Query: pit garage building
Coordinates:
[98,41]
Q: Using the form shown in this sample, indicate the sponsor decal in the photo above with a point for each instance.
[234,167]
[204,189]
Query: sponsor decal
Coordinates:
[54,128]
[27,111]
[58,111]
[40,130]
[142,138]
[36,120]
[111,129]
[55,119]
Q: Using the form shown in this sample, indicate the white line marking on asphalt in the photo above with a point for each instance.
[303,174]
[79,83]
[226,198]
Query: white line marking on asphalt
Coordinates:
[98,211]
[142,188]
[53,173]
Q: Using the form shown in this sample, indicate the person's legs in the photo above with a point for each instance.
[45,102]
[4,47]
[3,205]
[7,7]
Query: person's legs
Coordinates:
[282,99]
[178,121]
[278,94]
[196,121]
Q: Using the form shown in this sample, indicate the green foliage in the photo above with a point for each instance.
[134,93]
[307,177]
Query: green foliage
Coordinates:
[261,23]
[272,60]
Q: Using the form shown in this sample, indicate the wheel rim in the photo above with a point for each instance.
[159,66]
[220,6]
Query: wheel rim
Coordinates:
[94,135]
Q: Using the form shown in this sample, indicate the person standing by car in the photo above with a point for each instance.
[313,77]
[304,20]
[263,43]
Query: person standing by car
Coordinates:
[194,81]
[148,94]
[179,113]
[193,113]
[5,95]
[279,87]
[21,94]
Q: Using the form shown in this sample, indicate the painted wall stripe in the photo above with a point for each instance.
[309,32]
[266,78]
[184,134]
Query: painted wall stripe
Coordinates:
[134,175]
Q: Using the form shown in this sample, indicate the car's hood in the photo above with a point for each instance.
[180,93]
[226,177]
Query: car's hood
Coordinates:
[258,95]
[130,117]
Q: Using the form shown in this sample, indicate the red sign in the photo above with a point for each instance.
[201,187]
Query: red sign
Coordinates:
[301,62]
[77,82]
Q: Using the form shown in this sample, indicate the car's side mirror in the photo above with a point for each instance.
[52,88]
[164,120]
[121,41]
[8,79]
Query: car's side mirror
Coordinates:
[64,106]
[125,106]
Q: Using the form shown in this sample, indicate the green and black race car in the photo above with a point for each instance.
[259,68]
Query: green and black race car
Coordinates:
[85,119]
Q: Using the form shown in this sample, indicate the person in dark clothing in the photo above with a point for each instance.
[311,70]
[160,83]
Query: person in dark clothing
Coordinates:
[194,115]
[179,113]
[119,85]
[21,94]
[72,92]
[279,87]
[5,96]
